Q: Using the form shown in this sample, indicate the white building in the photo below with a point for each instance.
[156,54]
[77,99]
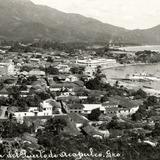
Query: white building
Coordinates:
[7,68]
[108,109]
[71,78]
[36,73]
[89,71]
[47,110]
[89,107]
[63,68]
[97,62]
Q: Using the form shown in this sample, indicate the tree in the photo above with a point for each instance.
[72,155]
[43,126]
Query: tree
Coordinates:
[141,113]
[92,99]
[104,98]
[32,78]
[77,70]
[94,84]
[98,71]
[140,94]
[137,116]
[33,101]
[116,84]
[43,95]
[3,101]
[94,116]
[52,70]
[151,101]
[12,129]
[26,68]
[156,131]
[55,126]
[49,59]
[14,93]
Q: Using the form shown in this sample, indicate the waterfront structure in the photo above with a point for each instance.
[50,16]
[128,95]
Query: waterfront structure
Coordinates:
[97,62]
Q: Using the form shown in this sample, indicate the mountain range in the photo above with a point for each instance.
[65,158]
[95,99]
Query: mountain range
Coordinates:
[24,20]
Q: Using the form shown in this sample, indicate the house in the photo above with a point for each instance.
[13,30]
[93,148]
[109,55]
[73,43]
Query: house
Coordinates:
[59,78]
[34,60]
[36,122]
[111,112]
[108,109]
[63,68]
[89,71]
[89,107]
[75,108]
[67,85]
[50,103]
[24,93]
[126,106]
[7,68]
[71,78]
[3,92]
[36,73]
[48,108]
[110,104]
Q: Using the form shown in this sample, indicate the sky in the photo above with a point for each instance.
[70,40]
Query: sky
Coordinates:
[130,14]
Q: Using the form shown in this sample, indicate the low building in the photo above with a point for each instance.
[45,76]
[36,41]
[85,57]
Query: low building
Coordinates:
[34,60]
[75,108]
[47,109]
[71,78]
[36,73]
[89,71]
[89,107]
[3,92]
[63,68]
[109,109]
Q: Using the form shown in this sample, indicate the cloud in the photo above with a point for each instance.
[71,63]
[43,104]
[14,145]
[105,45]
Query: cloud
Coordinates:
[125,13]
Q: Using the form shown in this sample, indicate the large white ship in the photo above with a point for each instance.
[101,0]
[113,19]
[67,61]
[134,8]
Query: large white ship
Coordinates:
[97,62]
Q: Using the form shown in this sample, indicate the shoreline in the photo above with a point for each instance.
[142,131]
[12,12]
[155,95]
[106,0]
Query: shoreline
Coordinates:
[126,65]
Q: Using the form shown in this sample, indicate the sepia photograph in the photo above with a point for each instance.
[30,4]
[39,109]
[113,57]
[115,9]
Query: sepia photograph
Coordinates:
[79,80]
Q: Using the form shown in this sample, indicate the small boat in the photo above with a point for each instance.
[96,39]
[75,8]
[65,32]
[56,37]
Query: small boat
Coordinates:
[148,87]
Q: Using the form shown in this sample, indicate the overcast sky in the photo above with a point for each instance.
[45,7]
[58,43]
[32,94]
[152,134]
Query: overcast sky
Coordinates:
[131,14]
